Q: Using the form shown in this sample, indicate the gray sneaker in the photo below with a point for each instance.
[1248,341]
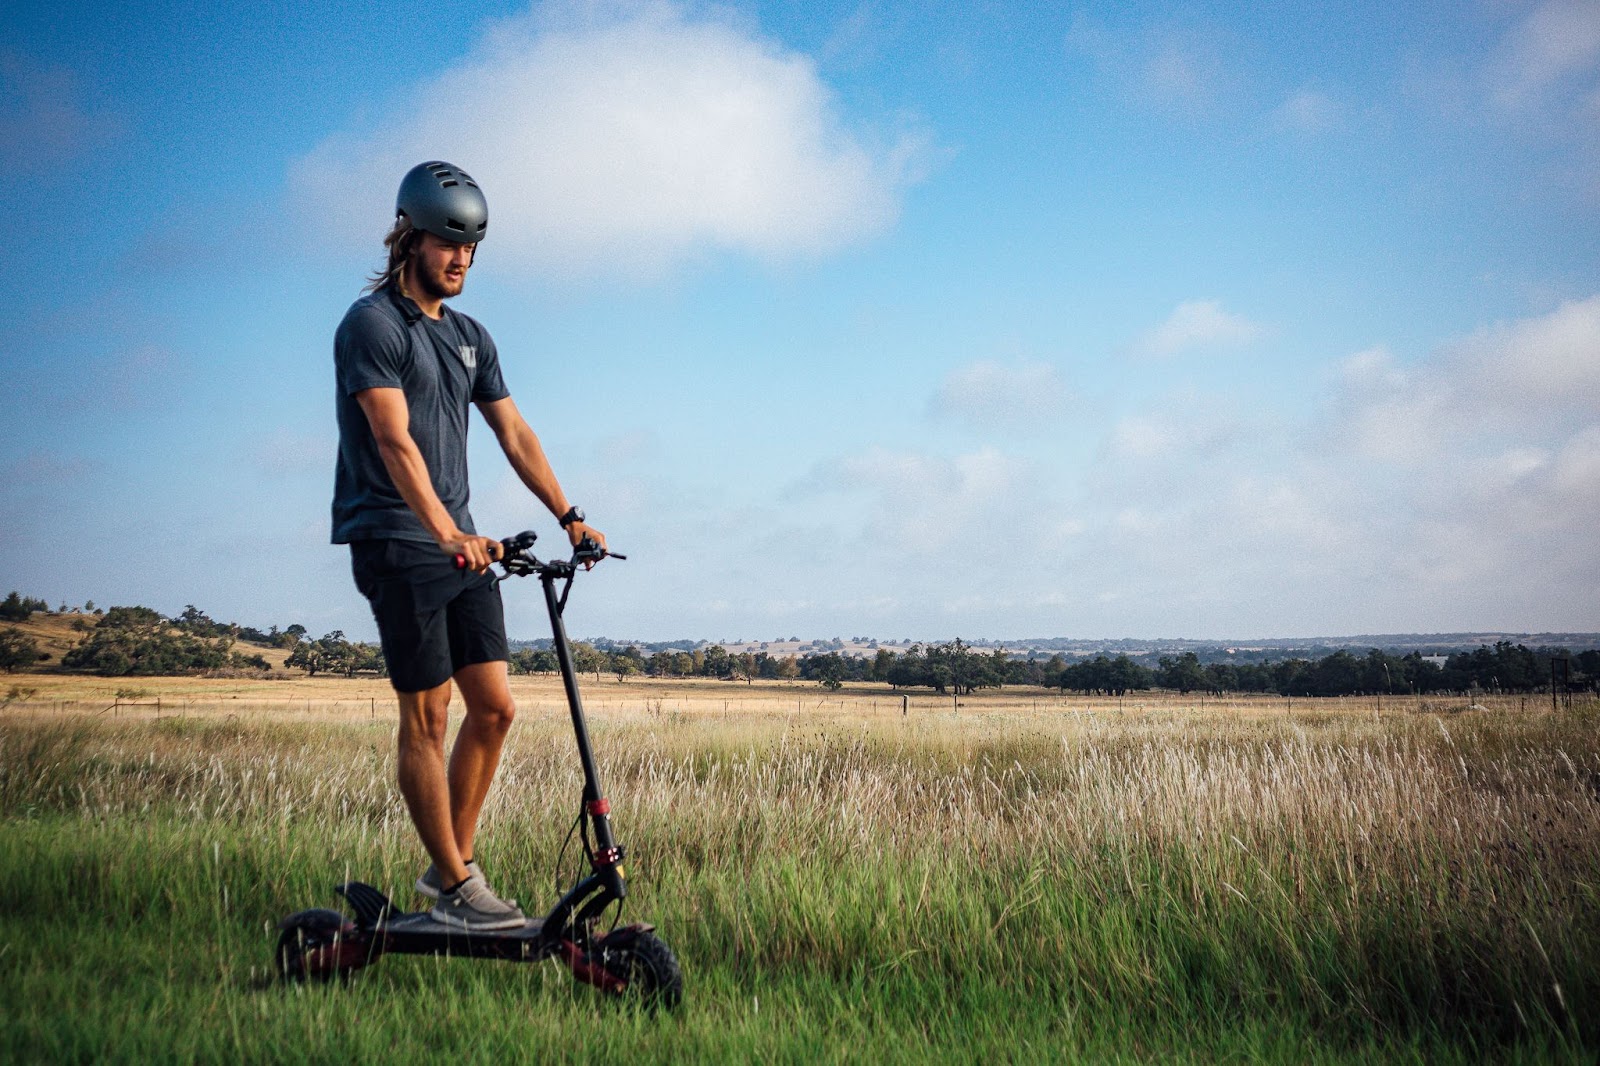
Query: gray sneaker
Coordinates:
[430,884]
[473,906]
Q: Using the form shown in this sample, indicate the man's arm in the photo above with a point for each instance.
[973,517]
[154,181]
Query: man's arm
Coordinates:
[390,418]
[521,445]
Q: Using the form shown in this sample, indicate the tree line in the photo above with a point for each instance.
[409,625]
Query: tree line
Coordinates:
[139,640]
[955,667]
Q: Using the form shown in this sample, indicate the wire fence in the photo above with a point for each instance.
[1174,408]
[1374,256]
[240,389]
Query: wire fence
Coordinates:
[765,704]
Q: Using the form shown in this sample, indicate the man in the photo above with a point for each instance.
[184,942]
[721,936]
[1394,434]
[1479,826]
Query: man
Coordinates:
[408,369]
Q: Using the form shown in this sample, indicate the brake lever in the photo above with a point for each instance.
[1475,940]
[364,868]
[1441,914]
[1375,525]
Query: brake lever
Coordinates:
[587,551]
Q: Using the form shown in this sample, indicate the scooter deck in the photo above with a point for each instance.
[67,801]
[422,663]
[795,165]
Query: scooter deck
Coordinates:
[418,933]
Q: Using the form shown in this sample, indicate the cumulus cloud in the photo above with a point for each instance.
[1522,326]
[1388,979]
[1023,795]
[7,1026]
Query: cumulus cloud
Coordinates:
[1197,325]
[622,137]
[917,501]
[988,393]
[1163,434]
[1557,42]
[1529,378]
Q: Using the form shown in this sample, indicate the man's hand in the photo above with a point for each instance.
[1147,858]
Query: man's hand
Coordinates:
[479,552]
[578,530]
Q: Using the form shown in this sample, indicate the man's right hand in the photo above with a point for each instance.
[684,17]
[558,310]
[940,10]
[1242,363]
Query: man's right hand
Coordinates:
[479,552]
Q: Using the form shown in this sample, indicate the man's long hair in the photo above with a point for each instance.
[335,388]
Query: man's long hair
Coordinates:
[401,240]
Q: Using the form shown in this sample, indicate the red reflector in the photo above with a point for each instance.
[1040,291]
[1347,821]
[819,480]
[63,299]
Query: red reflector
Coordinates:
[599,806]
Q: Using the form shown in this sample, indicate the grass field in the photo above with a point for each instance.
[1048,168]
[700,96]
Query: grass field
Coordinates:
[1020,878]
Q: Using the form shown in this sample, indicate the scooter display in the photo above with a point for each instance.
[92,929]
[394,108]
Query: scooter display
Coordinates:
[627,961]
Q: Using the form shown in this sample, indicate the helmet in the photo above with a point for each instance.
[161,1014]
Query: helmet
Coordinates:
[444,200]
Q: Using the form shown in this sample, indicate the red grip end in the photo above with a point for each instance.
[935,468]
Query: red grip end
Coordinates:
[461,562]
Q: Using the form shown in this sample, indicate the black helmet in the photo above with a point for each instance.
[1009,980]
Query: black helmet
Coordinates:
[444,200]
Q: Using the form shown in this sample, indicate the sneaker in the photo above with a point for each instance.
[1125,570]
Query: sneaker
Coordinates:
[430,884]
[473,906]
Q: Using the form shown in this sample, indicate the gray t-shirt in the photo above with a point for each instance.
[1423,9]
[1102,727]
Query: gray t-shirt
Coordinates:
[444,367]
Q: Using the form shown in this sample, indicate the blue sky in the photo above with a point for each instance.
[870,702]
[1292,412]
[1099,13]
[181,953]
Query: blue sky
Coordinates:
[905,320]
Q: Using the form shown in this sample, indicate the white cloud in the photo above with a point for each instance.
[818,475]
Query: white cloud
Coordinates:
[1197,324]
[919,502]
[620,138]
[1306,111]
[991,393]
[1184,430]
[1531,380]
[1174,69]
[1558,41]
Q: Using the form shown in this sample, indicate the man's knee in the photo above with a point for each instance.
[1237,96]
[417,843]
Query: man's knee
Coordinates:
[425,717]
[494,715]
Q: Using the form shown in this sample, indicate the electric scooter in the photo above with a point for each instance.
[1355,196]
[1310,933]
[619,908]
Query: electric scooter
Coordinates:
[627,961]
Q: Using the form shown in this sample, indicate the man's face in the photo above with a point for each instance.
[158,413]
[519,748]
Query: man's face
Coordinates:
[439,267]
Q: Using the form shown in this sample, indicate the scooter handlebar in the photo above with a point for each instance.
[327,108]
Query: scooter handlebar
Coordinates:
[587,551]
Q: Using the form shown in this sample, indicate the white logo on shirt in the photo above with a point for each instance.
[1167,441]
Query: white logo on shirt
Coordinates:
[469,355]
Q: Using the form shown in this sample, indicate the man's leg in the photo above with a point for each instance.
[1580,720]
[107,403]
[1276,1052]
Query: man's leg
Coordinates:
[476,754]
[424,716]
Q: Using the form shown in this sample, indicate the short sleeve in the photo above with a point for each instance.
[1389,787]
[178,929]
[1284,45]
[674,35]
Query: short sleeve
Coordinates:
[370,351]
[488,385]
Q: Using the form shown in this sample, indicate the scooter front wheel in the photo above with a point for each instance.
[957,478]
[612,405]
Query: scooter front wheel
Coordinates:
[647,968]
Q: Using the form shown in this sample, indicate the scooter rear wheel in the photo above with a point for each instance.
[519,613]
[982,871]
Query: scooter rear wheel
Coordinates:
[311,951]
[649,969]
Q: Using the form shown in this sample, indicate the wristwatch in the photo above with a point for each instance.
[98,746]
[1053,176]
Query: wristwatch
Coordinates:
[573,514]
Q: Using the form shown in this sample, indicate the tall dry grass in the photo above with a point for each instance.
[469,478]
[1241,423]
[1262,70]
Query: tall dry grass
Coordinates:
[1092,877]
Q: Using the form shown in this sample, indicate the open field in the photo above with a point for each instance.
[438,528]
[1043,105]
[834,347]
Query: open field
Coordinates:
[1024,877]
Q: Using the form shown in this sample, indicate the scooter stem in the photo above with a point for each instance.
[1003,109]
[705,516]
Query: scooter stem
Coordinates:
[592,792]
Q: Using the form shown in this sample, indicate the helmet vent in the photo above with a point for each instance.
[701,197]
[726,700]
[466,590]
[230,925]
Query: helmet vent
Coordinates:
[448,184]
[457,226]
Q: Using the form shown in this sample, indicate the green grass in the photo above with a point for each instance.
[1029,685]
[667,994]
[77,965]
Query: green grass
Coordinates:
[1031,888]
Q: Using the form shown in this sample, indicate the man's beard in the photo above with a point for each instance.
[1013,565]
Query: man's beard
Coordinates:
[434,287]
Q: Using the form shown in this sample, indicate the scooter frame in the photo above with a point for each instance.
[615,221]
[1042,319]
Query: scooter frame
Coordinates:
[322,944]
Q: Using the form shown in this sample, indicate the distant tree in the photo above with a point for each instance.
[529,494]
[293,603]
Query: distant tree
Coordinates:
[332,653]
[587,659]
[138,640]
[829,670]
[717,662]
[882,663]
[534,661]
[1183,673]
[1100,675]
[17,649]
[17,607]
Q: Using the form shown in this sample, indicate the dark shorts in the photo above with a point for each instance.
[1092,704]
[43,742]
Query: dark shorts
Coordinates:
[432,618]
